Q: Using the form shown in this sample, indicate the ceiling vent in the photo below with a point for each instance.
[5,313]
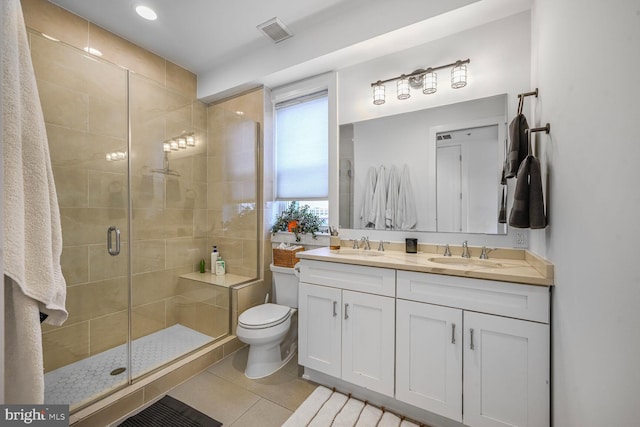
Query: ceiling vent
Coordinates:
[275,30]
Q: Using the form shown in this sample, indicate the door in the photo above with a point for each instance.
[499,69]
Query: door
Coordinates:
[368,331]
[319,328]
[506,372]
[429,357]
[449,188]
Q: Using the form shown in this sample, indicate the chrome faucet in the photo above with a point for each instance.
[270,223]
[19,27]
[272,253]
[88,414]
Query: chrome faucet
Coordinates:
[485,252]
[447,251]
[465,250]
[365,240]
[355,244]
[381,246]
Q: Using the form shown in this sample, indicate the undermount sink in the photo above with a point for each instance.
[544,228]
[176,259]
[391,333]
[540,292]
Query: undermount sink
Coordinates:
[359,252]
[465,262]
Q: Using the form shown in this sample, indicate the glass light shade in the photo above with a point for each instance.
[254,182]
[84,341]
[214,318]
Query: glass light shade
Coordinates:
[378,94]
[182,142]
[429,83]
[191,140]
[403,88]
[174,145]
[166,147]
[108,157]
[459,76]
[121,155]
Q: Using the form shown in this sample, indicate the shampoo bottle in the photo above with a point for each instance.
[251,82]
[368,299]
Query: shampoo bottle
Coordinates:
[214,259]
[220,267]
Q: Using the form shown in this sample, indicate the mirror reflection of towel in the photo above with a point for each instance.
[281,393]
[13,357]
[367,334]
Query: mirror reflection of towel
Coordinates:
[519,148]
[502,215]
[528,200]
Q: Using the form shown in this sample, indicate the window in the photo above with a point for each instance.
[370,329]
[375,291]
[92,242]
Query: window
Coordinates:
[302,154]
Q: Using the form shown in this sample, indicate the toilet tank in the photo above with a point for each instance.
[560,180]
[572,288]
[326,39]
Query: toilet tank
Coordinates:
[285,286]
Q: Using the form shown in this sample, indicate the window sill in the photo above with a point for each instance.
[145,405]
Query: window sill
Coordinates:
[305,239]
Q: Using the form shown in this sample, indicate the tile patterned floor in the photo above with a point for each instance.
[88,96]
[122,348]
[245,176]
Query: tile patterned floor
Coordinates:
[224,393]
[86,379]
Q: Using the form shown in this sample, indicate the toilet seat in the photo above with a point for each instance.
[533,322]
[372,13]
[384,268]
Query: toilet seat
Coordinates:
[264,316]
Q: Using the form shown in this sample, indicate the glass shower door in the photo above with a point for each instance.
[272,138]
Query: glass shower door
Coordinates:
[85,101]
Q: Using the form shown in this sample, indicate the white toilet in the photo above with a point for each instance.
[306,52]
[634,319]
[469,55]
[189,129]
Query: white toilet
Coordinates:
[271,330]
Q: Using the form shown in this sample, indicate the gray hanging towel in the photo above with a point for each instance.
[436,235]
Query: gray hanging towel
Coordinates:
[502,215]
[518,149]
[519,216]
[528,200]
[537,218]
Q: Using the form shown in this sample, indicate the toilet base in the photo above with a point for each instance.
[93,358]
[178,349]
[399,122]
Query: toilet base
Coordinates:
[262,363]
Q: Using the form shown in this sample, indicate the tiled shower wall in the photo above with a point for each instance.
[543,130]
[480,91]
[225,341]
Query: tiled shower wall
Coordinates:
[82,101]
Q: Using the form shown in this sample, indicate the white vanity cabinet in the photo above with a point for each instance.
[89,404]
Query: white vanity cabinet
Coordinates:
[345,330]
[499,364]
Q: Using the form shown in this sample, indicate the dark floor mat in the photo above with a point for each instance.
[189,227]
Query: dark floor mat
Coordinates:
[169,412]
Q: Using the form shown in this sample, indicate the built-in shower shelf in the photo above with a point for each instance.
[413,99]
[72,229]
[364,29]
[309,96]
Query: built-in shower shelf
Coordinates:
[88,379]
[226,280]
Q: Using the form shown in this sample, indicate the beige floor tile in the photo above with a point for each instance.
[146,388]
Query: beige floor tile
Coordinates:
[263,414]
[283,387]
[216,397]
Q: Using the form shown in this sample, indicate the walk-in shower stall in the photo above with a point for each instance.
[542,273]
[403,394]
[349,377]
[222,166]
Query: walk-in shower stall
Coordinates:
[144,192]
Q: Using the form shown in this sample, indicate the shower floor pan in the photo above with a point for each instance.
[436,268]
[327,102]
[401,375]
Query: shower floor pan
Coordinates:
[88,379]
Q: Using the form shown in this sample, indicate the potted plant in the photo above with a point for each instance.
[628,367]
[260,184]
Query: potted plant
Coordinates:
[297,220]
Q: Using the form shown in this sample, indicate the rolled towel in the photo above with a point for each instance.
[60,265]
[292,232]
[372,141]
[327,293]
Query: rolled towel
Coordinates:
[519,148]
[519,216]
[537,218]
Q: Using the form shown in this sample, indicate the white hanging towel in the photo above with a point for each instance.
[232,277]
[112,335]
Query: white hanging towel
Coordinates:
[379,209]
[406,216]
[392,199]
[31,231]
[367,200]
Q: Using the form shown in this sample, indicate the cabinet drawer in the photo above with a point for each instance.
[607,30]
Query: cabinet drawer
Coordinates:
[373,280]
[505,299]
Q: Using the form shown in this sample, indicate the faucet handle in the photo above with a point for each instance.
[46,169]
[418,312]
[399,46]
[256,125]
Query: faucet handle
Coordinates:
[381,246]
[485,252]
[447,250]
[355,244]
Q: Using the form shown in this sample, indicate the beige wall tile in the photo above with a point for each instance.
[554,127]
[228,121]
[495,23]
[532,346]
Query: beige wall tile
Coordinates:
[148,255]
[83,226]
[167,382]
[54,21]
[126,54]
[107,190]
[75,264]
[64,107]
[65,345]
[95,299]
[147,319]
[201,291]
[108,117]
[104,266]
[181,310]
[147,191]
[185,252]
[232,346]
[181,79]
[156,285]
[200,228]
[71,187]
[200,115]
[108,331]
[250,296]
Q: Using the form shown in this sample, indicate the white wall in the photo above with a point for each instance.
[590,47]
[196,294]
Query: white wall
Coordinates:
[586,66]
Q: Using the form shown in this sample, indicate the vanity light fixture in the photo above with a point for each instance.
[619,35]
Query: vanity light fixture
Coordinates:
[174,145]
[182,142]
[166,146]
[427,79]
[191,140]
[146,12]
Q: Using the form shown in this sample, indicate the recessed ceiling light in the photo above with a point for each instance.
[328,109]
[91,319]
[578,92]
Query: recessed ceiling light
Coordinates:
[146,12]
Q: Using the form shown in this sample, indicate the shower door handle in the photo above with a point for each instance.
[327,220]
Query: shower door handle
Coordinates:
[110,249]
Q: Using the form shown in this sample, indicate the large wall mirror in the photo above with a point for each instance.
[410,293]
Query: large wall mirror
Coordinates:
[452,154]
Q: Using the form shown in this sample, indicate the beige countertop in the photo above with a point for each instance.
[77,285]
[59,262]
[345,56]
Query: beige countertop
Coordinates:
[507,265]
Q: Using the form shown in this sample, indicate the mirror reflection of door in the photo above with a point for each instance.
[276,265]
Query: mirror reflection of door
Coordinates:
[466,180]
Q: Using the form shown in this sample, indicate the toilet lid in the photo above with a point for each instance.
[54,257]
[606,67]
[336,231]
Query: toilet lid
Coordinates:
[264,316]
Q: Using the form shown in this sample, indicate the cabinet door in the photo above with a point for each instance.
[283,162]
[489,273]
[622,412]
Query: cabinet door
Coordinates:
[429,357]
[368,338]
[506,372]
[319,328]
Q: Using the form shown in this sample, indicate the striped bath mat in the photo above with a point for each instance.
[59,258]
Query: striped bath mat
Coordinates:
[324,408]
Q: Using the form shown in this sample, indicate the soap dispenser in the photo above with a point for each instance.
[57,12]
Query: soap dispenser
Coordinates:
[214,259]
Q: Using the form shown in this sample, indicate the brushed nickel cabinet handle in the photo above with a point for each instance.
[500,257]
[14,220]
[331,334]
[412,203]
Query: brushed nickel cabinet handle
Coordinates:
[335,313]
[471,346]
[346,311]
[453,333]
